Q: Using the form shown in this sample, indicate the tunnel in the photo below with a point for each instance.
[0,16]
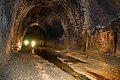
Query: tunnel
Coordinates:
[59,39]
[47,34]
[41,24]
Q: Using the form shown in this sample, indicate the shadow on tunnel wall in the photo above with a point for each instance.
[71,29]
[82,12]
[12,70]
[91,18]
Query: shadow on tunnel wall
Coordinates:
[79,20]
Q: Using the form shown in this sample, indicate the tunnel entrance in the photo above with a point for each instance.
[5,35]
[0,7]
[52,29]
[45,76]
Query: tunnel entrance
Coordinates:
[45,34]
[42,25]
[33,34]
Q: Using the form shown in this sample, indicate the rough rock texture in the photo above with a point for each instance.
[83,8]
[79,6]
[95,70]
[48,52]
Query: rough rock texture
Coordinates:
[82,21]
[102,41]
[116,30]
[28,67]
[85,25]
[3,25]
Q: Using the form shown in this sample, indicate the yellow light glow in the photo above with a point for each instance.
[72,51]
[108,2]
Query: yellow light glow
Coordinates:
[26,42]
[19,45]
[33,43]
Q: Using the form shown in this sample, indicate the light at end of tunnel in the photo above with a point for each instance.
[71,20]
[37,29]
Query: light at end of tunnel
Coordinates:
[33,43]
[26,42]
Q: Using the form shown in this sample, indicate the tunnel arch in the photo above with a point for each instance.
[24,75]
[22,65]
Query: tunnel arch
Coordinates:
[53,5]
[47,22]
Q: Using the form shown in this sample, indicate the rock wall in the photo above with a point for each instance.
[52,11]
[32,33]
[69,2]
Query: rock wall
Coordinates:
[3,27]
[102,41]
[79,18]
[116,30]
[9,10]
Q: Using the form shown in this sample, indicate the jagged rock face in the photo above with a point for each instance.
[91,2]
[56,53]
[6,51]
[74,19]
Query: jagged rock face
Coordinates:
[69,15]
[102,12]
[102,41]
[116,30]
[118,48]
[80,20]
[15,11]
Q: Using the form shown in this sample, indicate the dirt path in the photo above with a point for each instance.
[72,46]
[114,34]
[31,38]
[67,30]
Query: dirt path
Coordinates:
[49,64]
[24,66]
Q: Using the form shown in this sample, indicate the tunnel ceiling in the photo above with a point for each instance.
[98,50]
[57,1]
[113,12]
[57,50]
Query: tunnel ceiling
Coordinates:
[46,19]
[100,13]
[72,27]
[56,17]
[34,33]
[71,20]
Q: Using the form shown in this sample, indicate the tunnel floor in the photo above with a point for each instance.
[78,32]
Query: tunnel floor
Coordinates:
[48,64]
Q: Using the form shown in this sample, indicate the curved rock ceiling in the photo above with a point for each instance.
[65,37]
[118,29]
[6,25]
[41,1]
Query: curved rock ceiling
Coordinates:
[78,19]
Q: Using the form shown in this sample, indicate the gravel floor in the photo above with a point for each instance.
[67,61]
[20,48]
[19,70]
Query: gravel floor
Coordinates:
[24,66]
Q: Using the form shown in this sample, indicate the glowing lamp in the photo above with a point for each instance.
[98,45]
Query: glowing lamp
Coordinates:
[26,42]
[33,43]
